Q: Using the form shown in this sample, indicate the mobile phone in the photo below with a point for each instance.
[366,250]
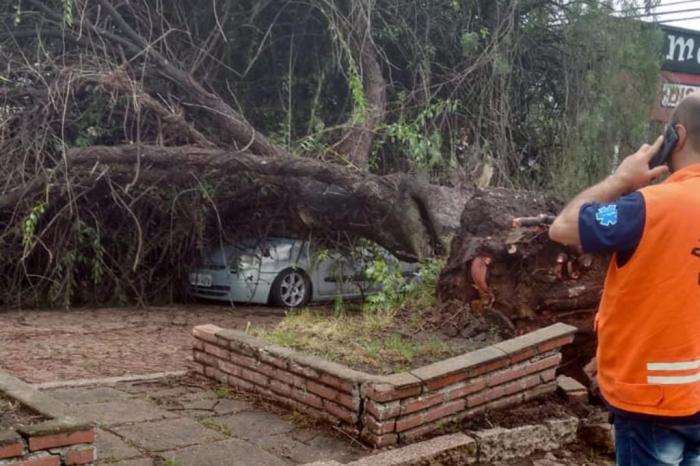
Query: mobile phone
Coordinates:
[670,141]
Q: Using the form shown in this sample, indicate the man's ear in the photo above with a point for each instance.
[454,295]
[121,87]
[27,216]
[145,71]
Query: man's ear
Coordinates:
[682,137]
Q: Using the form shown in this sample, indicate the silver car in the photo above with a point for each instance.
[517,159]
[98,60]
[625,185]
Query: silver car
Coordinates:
[285,272]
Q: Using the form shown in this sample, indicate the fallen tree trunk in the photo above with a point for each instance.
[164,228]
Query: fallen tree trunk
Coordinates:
[503,258]
[410,217]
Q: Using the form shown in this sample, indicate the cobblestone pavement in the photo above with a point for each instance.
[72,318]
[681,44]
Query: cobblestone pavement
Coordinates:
[188,421]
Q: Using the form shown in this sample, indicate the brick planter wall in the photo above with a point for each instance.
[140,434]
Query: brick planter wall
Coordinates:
[385,410]
[60,440]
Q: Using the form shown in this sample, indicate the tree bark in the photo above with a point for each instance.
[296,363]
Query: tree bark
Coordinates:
[406,215]
[356,142]
[527,274]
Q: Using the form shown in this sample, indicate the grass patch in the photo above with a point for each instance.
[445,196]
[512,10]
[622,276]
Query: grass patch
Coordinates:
[221,393]
[382,336]
[365,339]
[170,462]
[213,424]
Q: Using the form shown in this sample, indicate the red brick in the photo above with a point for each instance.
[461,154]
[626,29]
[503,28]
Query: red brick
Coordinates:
[523,355]
[340,384]
[415,420]
[322,390]
[506,376]
[426,401]
[307,398]
[12,449]
[216,374]
[273,360]
[44,442]
[489,367]
[49,460]
[469,387]
[549,375]
[521,384]
[217,351]
[383,411]
[484,396]
[242,384]
[206,332]
[279,374]
[245,361]
[265,369]
[386,392]
[440,382]
[204,358]
[540,390]
[198,344]
[80,456]
[255,377]
[198,368]
[340,412]
[511,400]
[556,343]
[229,368]
[350,402]
[380,441]
[288,377]
[419,432]
[378,427]
[304,370]
[279,387]
[499,403]
[546,363]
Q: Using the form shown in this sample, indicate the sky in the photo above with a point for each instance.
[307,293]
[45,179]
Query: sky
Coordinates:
[688,19]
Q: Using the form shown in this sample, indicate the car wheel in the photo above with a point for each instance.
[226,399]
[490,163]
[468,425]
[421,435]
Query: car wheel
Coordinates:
[291,288]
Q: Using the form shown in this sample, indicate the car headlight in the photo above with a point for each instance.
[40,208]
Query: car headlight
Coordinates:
[247,261]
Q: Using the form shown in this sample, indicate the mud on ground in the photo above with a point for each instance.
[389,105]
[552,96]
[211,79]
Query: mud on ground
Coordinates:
[58,345]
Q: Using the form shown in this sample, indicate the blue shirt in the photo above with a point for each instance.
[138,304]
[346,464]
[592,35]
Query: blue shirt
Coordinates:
[613,227]
[617,227]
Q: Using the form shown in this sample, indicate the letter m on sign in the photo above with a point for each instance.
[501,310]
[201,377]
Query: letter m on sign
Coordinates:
[686,47]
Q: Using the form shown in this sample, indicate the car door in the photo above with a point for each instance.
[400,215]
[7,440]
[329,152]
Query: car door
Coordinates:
[332,272]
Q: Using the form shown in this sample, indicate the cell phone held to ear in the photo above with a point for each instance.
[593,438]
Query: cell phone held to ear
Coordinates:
[670,141]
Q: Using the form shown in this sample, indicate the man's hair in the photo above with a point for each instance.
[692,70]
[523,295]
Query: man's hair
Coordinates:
[687,113]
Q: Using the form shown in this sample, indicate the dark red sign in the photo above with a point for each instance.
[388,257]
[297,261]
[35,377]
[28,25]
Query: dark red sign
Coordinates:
[672,88]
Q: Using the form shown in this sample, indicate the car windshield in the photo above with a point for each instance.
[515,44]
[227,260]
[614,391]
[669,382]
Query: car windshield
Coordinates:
[231,254]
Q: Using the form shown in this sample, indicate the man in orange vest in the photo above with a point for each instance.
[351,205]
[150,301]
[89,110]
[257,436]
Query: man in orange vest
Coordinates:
[648,323]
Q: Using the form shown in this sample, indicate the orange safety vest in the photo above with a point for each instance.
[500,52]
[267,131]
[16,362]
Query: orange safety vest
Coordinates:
[648,323]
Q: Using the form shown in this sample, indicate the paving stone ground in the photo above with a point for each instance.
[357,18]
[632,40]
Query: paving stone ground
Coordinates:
[188,422]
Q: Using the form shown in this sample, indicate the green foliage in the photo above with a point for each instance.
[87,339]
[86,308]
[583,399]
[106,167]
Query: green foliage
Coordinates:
[397,290]
[357,91]
[68,12]
[218,426]
[29,225]
[171,462]
[615,72]
[418,139]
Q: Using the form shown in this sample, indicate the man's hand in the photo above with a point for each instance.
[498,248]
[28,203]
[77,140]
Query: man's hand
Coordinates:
[634,172]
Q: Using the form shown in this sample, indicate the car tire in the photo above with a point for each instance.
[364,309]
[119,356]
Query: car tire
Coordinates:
[291,289]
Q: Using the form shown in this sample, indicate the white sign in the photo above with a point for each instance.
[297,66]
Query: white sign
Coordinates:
[673,93]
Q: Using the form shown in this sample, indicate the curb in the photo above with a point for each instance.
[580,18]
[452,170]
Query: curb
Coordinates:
[107,380]
[489,446]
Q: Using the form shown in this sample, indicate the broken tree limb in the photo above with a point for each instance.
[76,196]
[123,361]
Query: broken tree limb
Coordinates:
[409,217]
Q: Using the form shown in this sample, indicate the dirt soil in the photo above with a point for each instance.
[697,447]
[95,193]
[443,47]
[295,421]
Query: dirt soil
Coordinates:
[534,411]
[58,345]
[13,413]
